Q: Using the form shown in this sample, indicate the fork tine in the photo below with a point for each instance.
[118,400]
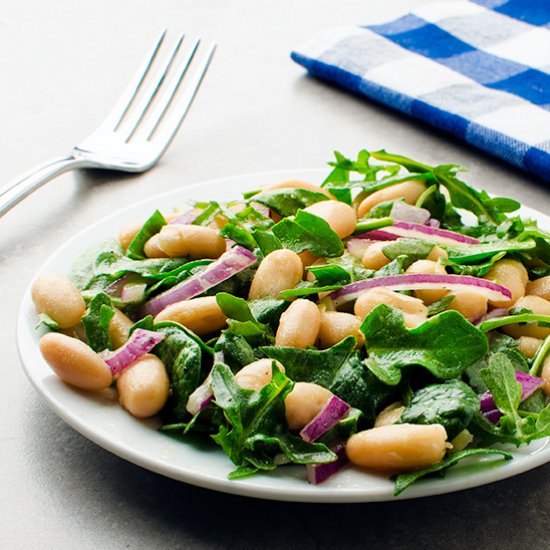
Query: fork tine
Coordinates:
[113,119]
[148,127]
[140,109]
[165,128]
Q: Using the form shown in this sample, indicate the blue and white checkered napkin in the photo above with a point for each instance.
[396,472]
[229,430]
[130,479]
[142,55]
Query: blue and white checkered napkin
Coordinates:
[479,70]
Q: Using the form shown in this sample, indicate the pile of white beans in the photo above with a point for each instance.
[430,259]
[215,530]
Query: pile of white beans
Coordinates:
[144,387]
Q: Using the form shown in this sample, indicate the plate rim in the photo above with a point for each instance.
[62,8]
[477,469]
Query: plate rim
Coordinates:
[247,487]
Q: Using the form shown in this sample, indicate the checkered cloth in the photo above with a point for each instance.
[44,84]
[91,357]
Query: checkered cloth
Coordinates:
[479,70]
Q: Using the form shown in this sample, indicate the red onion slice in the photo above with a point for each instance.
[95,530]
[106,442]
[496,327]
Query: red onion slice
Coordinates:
[141,342]
[417,231]
[408,213]
[187,217]
[334,410]
[133,292]
[317,473]
[421,281]
[228,264]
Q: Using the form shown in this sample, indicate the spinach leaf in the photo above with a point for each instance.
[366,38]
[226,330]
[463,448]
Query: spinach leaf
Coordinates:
[241,321]
[267,242]
[440,305]
[339,369]
[475,270]
[286,202]
[256,431]
[308,232]
[235,350]
[183,356]
[405,480]
[412,249]
[268,310]
[96,322]
[451,404]
[330,274]
[151,227]
[307,289]
[445,344]
[311,365]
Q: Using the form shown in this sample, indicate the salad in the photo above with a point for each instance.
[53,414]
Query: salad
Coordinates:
[394,318]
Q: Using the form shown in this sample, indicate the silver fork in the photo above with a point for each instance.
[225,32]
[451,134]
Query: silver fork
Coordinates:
[142,124]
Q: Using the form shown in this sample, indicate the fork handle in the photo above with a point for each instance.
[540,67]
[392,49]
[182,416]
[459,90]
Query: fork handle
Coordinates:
[19,188]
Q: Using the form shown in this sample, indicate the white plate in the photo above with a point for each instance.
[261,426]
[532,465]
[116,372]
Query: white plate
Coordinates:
[99,418]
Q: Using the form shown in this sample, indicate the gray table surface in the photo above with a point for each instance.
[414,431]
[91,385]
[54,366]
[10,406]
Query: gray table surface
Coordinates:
[63,64]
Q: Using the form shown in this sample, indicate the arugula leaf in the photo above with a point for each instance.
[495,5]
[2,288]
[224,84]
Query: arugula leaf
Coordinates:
[405,480]
[286,202]
[452,404]
[96,322]
[256,429]
[445,344]
[491,324]
[308,232]
[515,425]
[475,270]
[151,227]
[498,343]
[473,252]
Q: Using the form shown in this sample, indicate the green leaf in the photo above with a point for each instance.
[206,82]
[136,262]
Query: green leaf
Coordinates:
[47,321]
[405,480]
[452,404]
[412,249]
[307,289]
[440,305]
[491,324]
[373,223]
[96,322]
[500,378]
[339,369]
[445,344]
[256,427]
[182,354]
[309,232]
[474,252]
[267,242]
[286,202]
[311,365]
[498,343]
[151,227]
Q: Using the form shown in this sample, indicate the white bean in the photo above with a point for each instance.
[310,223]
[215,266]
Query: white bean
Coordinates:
[304,403]
[143,387]
[74,362]
[398,447]
[278,271]
[299,325]
[56,296]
